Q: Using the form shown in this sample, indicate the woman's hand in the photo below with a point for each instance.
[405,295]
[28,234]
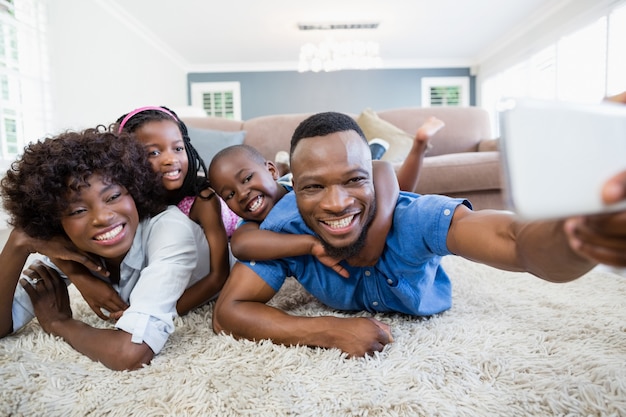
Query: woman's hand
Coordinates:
[49,295]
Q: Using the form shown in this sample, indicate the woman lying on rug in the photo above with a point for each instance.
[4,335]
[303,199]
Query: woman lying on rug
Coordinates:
[96,188]
[334,199]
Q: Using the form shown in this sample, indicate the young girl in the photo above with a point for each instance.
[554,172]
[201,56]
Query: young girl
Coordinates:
[184,188]
[249,185]
[96,190]
[164,136]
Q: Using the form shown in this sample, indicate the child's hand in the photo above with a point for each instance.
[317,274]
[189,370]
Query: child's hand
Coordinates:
[62,248]
[318,251]
[115,316]
[102,298]
[100,295]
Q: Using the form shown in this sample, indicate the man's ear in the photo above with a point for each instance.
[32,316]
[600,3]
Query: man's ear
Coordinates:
[271,167]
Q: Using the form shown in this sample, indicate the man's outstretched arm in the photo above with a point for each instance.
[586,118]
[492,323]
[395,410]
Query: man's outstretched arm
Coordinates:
[241,310]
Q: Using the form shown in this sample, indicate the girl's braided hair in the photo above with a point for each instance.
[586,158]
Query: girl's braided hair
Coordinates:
[193,183]
[35,190]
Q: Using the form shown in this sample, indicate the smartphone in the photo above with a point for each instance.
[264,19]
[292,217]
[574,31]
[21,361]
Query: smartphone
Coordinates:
[556,156]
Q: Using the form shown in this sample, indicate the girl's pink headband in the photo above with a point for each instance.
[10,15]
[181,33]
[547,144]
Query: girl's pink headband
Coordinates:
[139,110]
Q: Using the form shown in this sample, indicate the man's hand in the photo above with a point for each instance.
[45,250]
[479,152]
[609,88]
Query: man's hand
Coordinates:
[48,294]
[320,253]
[361,336]
[602,237]
[62,248]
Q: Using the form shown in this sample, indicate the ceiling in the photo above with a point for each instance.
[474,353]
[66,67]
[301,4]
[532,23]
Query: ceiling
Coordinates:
[240,35]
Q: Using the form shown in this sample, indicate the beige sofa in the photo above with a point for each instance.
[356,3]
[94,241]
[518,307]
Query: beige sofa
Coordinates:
[462,162]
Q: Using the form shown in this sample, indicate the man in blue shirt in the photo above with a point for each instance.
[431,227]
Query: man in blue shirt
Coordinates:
[334,199]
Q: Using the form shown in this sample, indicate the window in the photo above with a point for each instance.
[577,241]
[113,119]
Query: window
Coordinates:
[585,66]
[581,64]
[24,90]
[616,59]
[445,91]
[220,99]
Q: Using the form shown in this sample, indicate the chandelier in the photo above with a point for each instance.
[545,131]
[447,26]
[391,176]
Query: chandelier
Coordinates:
[331,55]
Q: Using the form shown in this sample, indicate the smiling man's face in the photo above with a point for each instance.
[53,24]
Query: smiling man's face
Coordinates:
[332,178]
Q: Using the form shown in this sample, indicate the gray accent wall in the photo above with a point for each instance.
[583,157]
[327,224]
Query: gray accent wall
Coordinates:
[349,91]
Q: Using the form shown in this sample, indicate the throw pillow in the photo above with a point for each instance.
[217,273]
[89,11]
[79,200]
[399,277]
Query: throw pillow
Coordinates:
[373,126]
[209,142]
[489,145]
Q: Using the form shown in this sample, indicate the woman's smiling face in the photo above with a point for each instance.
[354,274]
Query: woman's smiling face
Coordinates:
[101,219]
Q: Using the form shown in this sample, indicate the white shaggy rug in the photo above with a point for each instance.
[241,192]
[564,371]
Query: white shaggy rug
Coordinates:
[512,345]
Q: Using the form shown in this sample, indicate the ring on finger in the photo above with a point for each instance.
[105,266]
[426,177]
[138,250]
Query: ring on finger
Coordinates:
[36,281]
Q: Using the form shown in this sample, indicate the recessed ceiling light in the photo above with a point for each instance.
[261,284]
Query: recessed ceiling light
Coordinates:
[338,26]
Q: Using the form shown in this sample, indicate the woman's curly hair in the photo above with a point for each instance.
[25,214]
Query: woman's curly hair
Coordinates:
[36,188]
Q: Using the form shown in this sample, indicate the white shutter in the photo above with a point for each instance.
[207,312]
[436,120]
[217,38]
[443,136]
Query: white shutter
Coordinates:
[219,99]
[445,91]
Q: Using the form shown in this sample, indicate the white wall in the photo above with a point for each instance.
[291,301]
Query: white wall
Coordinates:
[567,16]
[104,66]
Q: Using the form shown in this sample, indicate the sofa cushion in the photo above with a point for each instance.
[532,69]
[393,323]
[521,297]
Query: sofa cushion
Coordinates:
[465,126]
[373,126]
[271,134]
[215,123]
[460,173]
[209,142]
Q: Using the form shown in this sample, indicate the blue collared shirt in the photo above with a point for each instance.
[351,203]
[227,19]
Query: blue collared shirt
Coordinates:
[408,278]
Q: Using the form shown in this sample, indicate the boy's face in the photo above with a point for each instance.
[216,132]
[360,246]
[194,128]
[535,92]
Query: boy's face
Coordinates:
[166,149]
[248,187]
[332,179]
[101,219]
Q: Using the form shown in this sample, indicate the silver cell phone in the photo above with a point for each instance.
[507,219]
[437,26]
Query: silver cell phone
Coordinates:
[556,156]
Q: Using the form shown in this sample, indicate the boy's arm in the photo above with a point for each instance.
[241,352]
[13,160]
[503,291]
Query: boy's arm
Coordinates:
[207,213]
[251,243]
[51,302]
[387,191]
[97,293]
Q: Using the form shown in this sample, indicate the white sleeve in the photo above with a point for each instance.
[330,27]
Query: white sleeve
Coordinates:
[171,255]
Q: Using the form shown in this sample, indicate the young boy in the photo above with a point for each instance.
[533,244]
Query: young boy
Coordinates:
[96,190]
